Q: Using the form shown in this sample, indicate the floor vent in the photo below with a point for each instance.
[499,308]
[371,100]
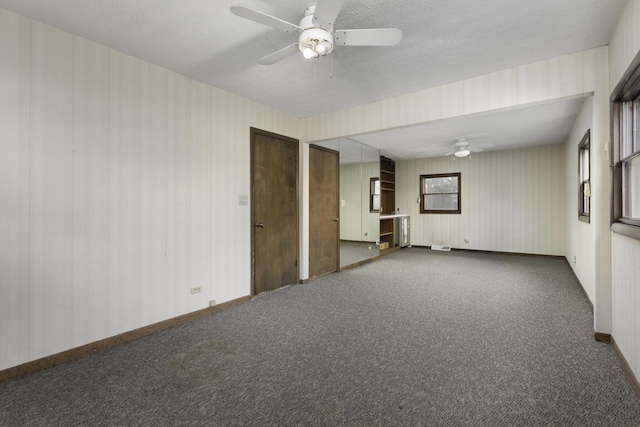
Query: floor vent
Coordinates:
[440,248]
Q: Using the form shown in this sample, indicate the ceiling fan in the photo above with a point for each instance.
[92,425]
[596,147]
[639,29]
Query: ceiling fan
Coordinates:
[317,37]
[462,149]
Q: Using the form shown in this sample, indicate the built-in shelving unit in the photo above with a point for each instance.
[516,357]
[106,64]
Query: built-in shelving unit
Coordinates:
[387,185]
[387,206]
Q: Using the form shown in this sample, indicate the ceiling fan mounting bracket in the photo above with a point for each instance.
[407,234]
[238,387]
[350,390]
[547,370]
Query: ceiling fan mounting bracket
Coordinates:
[307,21]
[310,11]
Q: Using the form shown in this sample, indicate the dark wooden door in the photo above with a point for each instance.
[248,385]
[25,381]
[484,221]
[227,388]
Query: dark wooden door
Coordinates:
[324,228]
[274,214]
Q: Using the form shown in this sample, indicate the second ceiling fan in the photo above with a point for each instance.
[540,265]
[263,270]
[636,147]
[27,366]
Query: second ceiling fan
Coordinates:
[317,36]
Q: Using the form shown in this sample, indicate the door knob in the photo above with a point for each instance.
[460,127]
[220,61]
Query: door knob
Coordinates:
[336,219]
[260,225]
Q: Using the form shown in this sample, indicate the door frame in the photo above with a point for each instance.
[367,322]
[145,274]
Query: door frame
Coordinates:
[253,133]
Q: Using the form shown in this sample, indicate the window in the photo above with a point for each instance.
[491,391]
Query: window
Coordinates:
[626,148]
[440,193]
[374,194]
[626,152]
[584,173]
[630,161]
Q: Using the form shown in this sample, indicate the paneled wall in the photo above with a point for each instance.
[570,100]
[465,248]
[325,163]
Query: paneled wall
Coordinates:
[624,46]
[555,78]
[356,222]
[351,193]
[624,43]
[580,236]
[119,185]
[625,254]
[512,201]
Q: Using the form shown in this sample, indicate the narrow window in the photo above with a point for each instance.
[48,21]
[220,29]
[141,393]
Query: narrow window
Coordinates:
[584,173]
[628,165]
[374,194]
[625,137]
[440,193]
[630,162]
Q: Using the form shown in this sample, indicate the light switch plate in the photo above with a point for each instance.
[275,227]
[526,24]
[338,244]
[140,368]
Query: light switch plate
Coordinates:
[343,203]
[243,199]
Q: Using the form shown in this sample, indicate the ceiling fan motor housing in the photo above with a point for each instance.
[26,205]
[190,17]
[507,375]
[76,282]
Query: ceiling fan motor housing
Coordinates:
[316,39]
[319,40]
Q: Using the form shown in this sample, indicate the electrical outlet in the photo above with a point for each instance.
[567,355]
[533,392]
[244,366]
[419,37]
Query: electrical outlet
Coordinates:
[196,289]
[212,303]
[243,200]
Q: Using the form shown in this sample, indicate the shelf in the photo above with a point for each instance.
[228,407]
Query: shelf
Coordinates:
[387,203]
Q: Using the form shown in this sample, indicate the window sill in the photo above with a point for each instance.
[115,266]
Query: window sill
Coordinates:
[442,212]
[584,218]
[632,231]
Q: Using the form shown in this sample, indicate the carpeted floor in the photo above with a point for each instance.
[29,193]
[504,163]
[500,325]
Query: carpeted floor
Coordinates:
[416,338]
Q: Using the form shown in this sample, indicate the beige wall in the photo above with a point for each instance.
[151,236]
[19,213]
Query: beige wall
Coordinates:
[356,222]
[119,185]
[624,43]
[351,193]
[512,201]
[625,253]
[551,79]
[580,236]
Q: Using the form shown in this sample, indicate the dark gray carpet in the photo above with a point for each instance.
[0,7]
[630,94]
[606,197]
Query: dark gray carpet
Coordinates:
[416,338]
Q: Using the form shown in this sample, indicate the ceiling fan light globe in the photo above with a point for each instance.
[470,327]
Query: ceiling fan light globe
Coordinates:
[463,152]
[308,53]
[321,49]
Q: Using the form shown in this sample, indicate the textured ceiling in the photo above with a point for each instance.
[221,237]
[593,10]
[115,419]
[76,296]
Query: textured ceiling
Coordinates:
[443,41]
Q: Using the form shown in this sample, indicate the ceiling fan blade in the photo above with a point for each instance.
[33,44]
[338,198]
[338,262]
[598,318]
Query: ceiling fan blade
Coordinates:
[326,13]
[279,55]
[475,150]
[368,37]
[264,19]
